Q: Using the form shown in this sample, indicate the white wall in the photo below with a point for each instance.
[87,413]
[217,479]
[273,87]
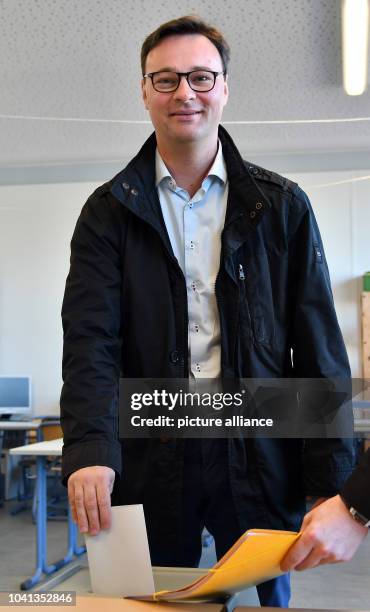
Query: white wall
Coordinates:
[36,224]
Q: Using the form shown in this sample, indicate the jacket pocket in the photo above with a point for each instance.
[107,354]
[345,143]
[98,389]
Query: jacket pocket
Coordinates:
[259,329]
[255,313]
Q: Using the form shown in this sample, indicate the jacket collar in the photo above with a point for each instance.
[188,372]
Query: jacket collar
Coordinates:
[135,188]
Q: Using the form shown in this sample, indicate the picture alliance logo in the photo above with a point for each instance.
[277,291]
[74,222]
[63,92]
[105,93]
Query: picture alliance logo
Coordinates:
[185,399]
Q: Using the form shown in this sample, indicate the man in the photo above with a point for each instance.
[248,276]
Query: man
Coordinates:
[193,262]
[334,529]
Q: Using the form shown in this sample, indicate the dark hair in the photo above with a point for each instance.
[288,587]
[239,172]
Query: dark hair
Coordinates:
[189,24]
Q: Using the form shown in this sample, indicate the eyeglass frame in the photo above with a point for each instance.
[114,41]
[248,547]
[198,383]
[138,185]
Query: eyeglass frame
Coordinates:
[186,75]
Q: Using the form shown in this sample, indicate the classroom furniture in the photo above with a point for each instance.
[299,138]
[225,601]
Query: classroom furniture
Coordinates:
[33,425]
[50,429]
[268,609]
[164,578]
[96,604]
[43,450]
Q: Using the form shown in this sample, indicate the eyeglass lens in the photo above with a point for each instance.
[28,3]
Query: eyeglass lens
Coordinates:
[199,80]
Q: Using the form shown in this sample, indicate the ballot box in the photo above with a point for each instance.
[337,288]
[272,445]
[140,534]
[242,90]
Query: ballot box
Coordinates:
[164,578]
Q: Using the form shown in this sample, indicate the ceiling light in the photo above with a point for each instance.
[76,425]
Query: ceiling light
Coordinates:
[355,43]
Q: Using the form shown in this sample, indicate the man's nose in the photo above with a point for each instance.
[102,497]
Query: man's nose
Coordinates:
[184,91]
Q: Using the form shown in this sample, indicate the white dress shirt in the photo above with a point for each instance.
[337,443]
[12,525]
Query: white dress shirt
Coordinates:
[194,226]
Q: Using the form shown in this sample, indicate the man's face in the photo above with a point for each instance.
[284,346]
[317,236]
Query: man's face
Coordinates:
[185,115]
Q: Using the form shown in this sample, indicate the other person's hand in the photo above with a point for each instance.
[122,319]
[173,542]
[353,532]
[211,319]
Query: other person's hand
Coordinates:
[89,491]
[329,535]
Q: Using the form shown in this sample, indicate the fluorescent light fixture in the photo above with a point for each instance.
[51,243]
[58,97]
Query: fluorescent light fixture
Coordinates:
[355,44]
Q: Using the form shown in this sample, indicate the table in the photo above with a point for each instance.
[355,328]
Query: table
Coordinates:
[14,425]
[268,609]
[41,450]
[361,410]
[96,604]
[164,578]
[10,425]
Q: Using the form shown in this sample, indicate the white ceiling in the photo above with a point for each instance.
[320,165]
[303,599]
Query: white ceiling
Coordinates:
[79,59]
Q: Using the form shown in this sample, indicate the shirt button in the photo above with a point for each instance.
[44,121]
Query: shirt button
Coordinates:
[134,191]
[172,184]
[190,205]
[125,185]
[259,205]
[197,367]
[192,245]
[196,327]
[193,286]
[252,214]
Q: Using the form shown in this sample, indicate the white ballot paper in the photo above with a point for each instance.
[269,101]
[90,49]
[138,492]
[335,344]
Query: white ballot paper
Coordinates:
[119,559]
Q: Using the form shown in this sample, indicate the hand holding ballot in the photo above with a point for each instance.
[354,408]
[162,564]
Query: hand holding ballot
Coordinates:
[89,491]
[329,535]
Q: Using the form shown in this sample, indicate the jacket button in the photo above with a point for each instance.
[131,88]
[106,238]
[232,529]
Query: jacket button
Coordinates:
[252,214]
[259,205]
[134,191]
[125,185]
[174,356]
[254,170]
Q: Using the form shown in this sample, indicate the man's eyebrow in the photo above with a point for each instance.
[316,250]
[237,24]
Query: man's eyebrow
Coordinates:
[172,69]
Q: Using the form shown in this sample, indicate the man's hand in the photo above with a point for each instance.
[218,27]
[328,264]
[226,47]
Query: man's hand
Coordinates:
[329,535]
[89,492]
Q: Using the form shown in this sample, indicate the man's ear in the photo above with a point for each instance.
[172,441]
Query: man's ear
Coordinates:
[144,94]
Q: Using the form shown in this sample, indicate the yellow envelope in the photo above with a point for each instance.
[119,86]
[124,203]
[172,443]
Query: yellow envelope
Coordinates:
[254,558]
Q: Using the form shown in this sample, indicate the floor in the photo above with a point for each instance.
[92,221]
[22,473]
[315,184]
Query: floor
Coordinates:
[341,586]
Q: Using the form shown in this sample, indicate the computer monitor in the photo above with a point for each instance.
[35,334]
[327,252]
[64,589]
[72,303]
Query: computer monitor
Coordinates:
[15,395]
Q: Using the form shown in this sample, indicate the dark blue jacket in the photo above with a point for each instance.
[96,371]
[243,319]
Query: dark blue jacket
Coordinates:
[125,311]
[356,491]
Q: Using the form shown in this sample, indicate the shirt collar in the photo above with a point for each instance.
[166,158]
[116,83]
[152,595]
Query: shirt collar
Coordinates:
[217,169]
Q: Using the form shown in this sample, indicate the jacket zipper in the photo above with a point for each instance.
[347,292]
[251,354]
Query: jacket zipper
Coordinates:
[242,278]
[241,290]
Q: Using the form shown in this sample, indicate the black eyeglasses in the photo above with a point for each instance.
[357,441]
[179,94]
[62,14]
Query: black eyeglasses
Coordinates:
[198,80]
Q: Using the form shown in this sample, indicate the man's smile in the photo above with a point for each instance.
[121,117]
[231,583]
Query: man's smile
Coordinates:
[185,113]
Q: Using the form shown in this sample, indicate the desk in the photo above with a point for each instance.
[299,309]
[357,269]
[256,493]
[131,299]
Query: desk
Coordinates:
[164,578]
[268,609]
[9,425]
[361,411]
[41,450]
[19,426]
[362,425]
[96,604]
